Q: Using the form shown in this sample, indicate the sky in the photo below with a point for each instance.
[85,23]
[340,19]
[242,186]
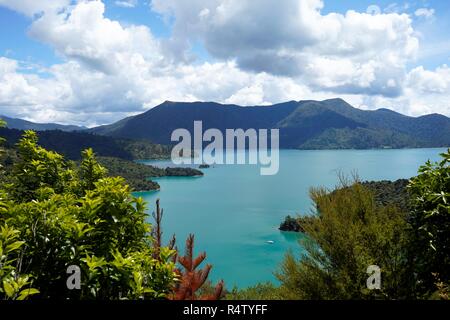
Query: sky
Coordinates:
[95,62]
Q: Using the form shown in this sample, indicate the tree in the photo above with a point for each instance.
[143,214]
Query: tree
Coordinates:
[37,169]
[430,220]
[191,278]
[348,233]
[90,170]
[192,284]
[66,217]
[13,284]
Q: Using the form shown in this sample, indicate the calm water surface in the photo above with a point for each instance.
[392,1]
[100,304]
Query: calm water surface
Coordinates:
[233,210]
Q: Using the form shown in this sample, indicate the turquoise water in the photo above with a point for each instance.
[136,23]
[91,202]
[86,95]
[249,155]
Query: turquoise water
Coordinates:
[233,210]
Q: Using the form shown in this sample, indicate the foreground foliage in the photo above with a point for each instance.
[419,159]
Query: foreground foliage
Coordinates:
[406,234]
[55,215]
[430,220]
[193,283]
[260,291]
[349,233]
[57,218]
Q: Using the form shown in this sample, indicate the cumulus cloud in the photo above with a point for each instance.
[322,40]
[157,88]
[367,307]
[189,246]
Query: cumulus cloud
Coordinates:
[425,81]
[112,71]
[24,94]
[82,33]
[355,52]
[276,53]
[425,92]
[91,98]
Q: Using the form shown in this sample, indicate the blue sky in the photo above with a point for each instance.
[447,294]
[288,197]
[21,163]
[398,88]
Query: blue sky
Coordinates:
[92,62]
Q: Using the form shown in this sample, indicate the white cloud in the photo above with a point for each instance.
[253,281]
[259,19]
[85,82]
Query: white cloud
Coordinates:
[82,33]
[33,7]
[126,3]
[355,52]
[111,70]
[425,81]
[27,95]
[426,13]
[425,92]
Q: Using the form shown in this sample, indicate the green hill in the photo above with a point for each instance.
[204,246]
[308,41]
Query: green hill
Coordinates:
[70,144]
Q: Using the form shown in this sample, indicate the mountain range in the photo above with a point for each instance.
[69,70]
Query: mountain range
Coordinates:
[14,123]
[328,124]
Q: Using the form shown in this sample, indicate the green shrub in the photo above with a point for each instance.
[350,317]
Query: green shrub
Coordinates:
[430,219]
[66,216]
[349,233]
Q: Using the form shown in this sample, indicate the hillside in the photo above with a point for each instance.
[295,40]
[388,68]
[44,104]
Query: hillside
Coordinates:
[158,123]
[70,144]
[329,124]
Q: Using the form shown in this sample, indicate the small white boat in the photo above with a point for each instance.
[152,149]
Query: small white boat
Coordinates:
[270,242]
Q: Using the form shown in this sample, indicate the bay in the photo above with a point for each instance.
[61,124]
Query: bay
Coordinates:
[235,212]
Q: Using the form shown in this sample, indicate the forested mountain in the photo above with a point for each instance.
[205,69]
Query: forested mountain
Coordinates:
[158,123]
[329,124]
[70,144]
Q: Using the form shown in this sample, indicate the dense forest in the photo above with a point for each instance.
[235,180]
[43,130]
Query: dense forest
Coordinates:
[71,144]
[70,231]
